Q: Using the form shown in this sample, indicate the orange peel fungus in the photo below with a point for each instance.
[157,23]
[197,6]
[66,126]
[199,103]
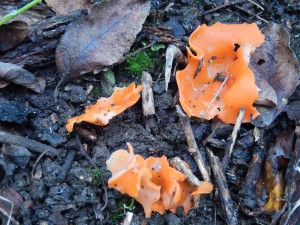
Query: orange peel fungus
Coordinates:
[217,80]
[152,182]
[107,108]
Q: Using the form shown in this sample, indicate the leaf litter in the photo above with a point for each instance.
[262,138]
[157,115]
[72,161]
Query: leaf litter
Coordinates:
[67,6]
[275,63]
[101,38]
[10,73]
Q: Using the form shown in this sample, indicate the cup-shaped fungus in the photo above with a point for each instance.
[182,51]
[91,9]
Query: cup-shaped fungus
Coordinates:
[107,108]
[217,80]
[152,182]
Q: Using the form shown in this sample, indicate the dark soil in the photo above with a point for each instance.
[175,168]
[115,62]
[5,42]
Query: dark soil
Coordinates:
[52,197]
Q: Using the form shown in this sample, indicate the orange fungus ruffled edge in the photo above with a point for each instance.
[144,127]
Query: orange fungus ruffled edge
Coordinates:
[107,108]
[153,182]
[217,80]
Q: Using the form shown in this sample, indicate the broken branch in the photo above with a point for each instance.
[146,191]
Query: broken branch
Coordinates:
[221,183]
[234,134]
[30,144]
[181,167]
[193,147]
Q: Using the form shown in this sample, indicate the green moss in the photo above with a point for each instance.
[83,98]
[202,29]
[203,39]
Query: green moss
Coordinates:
[124,206]
[139,62]
[98,175]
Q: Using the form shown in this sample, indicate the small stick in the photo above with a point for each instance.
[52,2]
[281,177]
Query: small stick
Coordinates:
[216,95]
[193,147]
[181,167]
[251,14]
[147,95]
[221,7]
[67,165]
[173,53]
[258,5]
[141,49]
[128,218]
[252,176]
[78,143]
[8,214]
[36,163]
[221,184]
[234,134]
[30,144]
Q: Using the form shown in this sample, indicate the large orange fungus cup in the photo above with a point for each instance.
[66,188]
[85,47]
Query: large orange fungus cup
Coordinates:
[217,80]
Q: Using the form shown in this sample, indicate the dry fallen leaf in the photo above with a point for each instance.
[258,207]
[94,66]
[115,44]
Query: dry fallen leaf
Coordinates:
[275,62]
[67,6]
[11,73]
[275,167]
[101,38]
[13,33]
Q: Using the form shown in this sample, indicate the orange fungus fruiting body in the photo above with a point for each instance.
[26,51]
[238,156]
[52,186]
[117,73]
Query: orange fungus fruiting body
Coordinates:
[217,80]
[153,182]
[107,108]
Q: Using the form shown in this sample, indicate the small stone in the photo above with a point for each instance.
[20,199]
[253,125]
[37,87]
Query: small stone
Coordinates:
[18,154]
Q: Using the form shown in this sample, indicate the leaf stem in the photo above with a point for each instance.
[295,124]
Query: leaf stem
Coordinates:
[14,13]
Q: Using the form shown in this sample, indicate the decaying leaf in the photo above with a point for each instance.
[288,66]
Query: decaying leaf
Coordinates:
[67,6]
[276,63]
[101,38]
[275,167]
[11,73]
[292,194]
[13,33]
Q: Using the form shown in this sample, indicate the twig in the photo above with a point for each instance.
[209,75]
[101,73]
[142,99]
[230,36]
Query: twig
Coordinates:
[36,163]
[173,53]
[30,144]
[14,13]
[251,14]
[67,165]
[141,49]
[215,96]
[77,141]
[234,134]
[181,167]
[8,215]
[221,7]
[128,218]
[214,128]
[252,176]
[221,184]
[258,5]
[147,95]
[193,147]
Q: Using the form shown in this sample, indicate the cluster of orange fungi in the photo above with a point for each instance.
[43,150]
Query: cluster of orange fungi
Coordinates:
[153,183]
[216,82]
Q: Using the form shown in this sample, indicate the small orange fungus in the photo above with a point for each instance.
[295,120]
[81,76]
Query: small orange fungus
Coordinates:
[152,182]
[217,80]
[107,108]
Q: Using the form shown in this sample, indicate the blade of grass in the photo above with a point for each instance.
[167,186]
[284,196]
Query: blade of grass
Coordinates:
[14,13]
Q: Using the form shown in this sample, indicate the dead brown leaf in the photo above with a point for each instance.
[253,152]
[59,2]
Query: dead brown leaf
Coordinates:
[13,33]
[275,62]
[11,73]
[67,6]
[275,168]
[101,38]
